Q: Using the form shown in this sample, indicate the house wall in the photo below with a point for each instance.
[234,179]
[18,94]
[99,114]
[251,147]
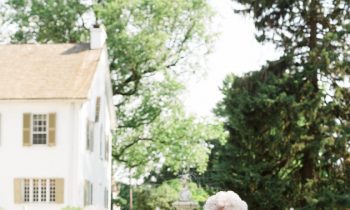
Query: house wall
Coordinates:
[36,161]
[92,166]
[69,159]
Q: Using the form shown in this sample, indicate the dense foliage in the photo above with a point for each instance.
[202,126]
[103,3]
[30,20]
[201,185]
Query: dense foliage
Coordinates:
[289,122]
[151,196]
[173,140]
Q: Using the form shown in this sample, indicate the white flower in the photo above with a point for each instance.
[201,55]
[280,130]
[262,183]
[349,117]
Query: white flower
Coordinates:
[225,201]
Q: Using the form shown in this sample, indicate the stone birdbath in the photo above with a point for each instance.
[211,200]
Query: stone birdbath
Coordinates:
[185,202]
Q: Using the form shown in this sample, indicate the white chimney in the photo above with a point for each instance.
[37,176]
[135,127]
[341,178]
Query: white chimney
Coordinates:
[97,37]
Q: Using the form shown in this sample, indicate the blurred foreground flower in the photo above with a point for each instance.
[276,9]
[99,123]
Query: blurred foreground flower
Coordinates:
[225,201]
[93,208]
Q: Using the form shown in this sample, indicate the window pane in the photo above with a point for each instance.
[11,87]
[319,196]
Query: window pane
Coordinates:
[52,190]
[39,129]
[35,190]
[43,190]
[39,138]
[26,190]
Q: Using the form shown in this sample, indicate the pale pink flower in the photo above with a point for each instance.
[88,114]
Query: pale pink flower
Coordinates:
[225,201]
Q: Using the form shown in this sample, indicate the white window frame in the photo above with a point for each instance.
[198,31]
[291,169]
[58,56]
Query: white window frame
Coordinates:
[47,188]
[46,132]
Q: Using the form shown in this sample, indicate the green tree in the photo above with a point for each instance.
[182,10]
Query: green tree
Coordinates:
[48,21]
[289,122]
[152,47]
[150,196]
[171,141]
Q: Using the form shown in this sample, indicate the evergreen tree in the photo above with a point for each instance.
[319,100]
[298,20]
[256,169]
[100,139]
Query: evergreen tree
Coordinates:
[289,122]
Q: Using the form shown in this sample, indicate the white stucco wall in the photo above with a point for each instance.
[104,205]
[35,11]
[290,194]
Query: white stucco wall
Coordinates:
[69,159]
[92,166]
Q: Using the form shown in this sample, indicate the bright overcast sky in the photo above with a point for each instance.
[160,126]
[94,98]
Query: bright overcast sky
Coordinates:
[235,51]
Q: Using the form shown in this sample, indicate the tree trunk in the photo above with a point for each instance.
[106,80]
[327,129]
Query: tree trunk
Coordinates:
[307,171]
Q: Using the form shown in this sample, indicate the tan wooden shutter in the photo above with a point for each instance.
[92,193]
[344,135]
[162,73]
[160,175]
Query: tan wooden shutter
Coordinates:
[26,129]
[18,198]
[59,183]
[97,112]
[52,129]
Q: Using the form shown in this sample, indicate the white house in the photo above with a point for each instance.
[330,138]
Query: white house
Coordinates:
[56,125]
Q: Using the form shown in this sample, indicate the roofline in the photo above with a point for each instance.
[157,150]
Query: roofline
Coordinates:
[109,95]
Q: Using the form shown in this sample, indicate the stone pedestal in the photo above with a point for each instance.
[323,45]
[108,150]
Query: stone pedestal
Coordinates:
[185,202]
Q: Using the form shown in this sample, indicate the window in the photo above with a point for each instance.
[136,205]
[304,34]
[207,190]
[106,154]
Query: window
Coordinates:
[106,147]
[106,198]
[43,190]
[39,129]
[39,190]
[35,190]
[101,142]
[52,190]
[88,193]
[97,109]
[90,136]
[26,190]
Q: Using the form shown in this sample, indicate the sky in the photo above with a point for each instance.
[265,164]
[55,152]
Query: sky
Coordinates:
[235,51]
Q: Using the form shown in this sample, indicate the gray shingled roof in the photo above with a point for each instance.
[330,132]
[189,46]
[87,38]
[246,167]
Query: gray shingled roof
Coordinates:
[46,71]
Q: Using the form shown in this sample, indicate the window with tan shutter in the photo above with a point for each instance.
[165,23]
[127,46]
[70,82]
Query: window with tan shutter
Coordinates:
[39,190]
[39,129]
